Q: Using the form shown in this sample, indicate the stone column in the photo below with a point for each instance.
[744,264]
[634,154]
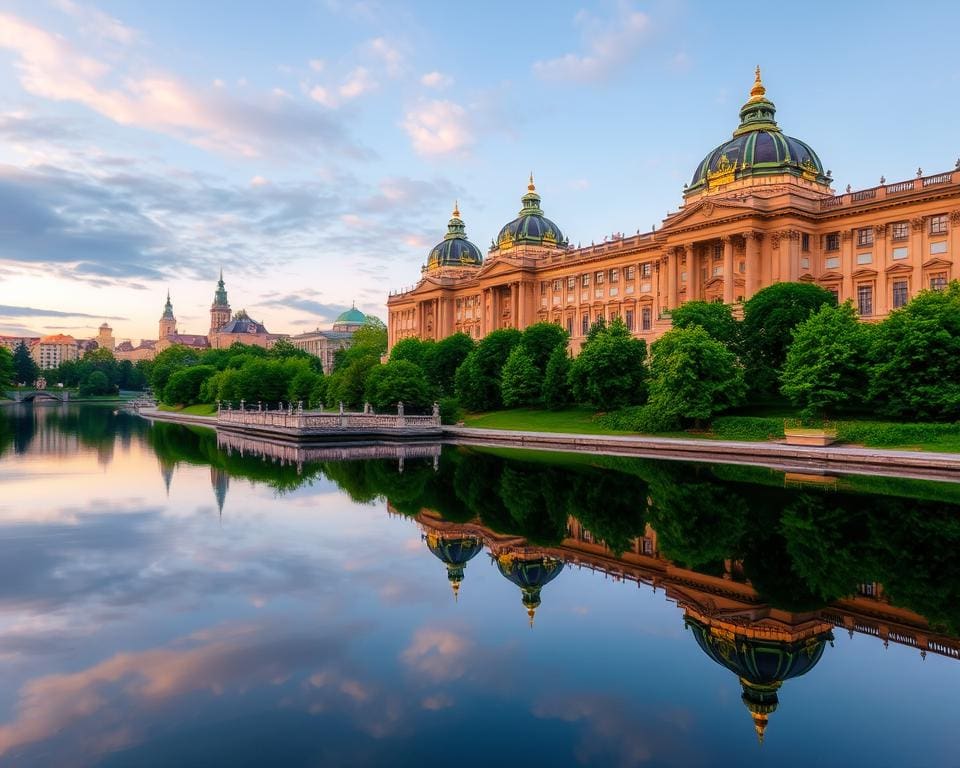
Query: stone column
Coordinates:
[672,259]
[753,276]
[916,254]
[793,256]
[881,299]
[693,273]
[846,266]
[728,276]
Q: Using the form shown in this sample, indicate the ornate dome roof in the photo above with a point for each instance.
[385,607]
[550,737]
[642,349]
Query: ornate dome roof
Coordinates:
[531,574]
[530,227]
[761,664]
[454,250]
[758,148]
[454,551]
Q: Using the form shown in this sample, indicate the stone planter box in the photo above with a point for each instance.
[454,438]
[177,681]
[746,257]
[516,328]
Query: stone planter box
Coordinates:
[808,436]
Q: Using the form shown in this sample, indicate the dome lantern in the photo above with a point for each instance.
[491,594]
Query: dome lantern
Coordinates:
[530,227]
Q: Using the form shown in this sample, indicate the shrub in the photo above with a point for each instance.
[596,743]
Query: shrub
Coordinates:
[520,380]
[556,381]
[450,410]
[609,372]
[398,381]
[645,419]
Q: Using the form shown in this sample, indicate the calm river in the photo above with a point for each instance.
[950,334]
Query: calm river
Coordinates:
[168,599]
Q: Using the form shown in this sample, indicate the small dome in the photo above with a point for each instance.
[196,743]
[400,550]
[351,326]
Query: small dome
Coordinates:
[758,148]
[455,551]
[454,250]
[531,227]
[352,316]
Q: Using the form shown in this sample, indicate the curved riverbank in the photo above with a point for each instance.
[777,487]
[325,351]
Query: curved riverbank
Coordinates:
[826,460]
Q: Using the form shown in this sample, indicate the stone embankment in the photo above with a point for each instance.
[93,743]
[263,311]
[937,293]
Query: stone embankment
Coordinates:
[813,460]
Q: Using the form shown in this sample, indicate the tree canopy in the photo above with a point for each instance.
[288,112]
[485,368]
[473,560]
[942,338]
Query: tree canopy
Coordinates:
[610,372]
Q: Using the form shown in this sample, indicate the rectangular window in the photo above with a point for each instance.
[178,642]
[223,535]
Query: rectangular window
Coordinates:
[804,263]
[646,269]
[646,287]
[585,281]
[646,318]
[599,278]
[629,314]
[865,300]
[864,236]
[938,247]
[804,242]
[938,281]
[570,326]
[571,283]
[864,258]
[629,288]
[614,275]
[584,325]
[717,271]
[557,285]
[938,224]
[901,230]
[543,288]
[717,251]
[833,262]
[899,293]
[629,273]
[832,242]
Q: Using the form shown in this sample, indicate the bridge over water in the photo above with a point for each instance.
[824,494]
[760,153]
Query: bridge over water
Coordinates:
[39,395]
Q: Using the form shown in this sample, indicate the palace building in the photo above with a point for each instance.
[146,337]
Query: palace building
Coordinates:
[326,344]
[758,210]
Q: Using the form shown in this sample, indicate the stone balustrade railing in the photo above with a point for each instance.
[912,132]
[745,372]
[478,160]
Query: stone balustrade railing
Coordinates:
[298,419]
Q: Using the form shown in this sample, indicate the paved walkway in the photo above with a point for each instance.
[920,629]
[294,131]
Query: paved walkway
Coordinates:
[827,460]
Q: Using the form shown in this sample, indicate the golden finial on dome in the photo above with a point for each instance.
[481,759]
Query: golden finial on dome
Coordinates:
[759,725]
[758,91]
[456,209]
[530,187]
[456,590]
[530,612]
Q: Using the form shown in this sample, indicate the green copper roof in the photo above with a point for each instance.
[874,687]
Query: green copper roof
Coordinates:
[352,315]
[168,309]
[220,296]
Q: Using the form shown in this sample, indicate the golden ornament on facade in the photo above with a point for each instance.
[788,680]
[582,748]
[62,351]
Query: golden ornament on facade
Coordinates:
[724,174]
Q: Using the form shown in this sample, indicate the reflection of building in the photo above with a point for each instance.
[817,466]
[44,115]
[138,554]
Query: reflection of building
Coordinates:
[759,210]
[326,344]
[531,571]
[51,351]
[454,551]
[220,480]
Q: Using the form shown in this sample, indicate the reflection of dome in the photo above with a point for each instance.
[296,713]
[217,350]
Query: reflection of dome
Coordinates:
[455,551]
[454,250]
[531,227]
[758,148]
[530,573]
[762,664]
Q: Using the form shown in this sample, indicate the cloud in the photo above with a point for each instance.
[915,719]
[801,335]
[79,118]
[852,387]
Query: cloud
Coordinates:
[438,127]
[438,654]
[22,127]
[295,301]
[609,45]
[95,23]
[317,65]
[436,80]
[358,82]
[213,119]
[389,55]
[7,310]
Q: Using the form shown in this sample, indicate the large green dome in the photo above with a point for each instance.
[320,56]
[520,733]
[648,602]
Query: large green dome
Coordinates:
[530,227]
[352,316]
[758,148]
[454,250]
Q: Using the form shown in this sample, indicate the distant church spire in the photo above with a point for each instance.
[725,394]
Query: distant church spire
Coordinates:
[220,309]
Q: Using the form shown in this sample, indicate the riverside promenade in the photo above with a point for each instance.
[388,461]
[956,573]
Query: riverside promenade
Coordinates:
[297,425]
[828,460]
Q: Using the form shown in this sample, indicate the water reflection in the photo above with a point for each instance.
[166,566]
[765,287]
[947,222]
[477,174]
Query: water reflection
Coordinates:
[301,618]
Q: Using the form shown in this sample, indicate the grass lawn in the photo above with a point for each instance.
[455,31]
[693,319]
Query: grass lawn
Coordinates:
[943,438]
[578,420]
[204,409]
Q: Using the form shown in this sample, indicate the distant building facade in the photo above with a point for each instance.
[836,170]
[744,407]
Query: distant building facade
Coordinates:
[326,344]
[758,210]
[105,338]
[51,351]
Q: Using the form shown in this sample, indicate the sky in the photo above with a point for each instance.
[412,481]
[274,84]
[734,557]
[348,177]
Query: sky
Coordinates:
[314,149]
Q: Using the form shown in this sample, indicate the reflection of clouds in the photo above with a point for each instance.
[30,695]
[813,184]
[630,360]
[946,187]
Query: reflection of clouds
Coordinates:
[111,704]
[438,654]
[612,734]
[436,702]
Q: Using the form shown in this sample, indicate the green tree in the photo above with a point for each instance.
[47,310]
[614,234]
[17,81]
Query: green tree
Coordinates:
[165,363]
[539,340]
[446,356]
[24,368]
[96,383]
[693,376]
[556,386]
[413,350]
[520,380]
[183,387]
[302,386]
[715,318]
[7,368]
[398,381]
[769,318]
[916,358]
[826,368]
[478,377]
[610,372]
